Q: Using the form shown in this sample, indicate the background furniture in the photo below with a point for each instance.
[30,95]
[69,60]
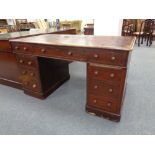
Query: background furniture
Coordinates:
[145,32]
[127,28]
[89,29]
[71,24]
[142,29]
[107,64]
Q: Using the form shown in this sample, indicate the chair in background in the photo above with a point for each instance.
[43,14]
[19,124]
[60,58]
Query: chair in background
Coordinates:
[146,32]
[127,28]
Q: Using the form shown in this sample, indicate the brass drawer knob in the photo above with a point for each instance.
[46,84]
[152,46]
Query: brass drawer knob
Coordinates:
[113,58]
[30,63]
[96,72]
[70,53]
[109,104]
[24,72]
[21,61]
[16,48]
[96,55]
[43,50]
[32,74]
[110,90]
[34,86]
[112,75]
[95,101]
[96,86]
[25,48]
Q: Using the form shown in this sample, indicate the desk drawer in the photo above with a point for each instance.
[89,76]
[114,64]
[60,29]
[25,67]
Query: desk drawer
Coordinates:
[26,60]
[105,73]
[107,105]
[104,90]
[30,80]
[118,58]
[32,85]
[60,52]
[22,48]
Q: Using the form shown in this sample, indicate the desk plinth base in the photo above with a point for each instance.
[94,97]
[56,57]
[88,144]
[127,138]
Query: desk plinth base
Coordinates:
[101,113]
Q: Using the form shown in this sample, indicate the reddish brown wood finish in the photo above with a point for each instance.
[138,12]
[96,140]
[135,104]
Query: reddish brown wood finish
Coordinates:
[106,67]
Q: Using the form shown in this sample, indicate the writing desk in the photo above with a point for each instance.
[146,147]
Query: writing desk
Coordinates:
[9,72]
[107,61]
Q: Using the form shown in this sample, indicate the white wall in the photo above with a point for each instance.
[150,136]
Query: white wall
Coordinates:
[108,27]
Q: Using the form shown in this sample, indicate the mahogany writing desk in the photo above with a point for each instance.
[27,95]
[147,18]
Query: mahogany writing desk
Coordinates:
[107,61]
[9,72]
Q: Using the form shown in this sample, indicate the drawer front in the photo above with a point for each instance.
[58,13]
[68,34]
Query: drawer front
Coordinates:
[58,52]
[105,73]
[117,58]
[104,90]
[107,105]
[29,78]
[32,85]
[25,60]
[22,48]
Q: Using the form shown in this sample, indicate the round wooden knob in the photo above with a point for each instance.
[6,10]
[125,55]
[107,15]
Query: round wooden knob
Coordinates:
[34,86]
[112,75]
[30,63]
[23,72]
[110,90]
[21,61]
[96,72]
[113,58]
[25,48]
[43,50]
[16,47]
[109,104]
[32,74]
[69,53]
[96,86]
[96,55]
[95,101]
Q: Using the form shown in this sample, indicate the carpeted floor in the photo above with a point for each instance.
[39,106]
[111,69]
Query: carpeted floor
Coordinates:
[63,112]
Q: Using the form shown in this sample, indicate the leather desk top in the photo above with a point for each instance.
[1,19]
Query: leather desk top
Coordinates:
[103,42]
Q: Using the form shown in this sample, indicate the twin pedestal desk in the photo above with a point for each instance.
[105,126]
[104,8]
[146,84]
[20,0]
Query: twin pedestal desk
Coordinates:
[43,66]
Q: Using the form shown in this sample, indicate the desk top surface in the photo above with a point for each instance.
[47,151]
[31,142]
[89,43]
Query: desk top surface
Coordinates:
[88,41]
[13,35]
